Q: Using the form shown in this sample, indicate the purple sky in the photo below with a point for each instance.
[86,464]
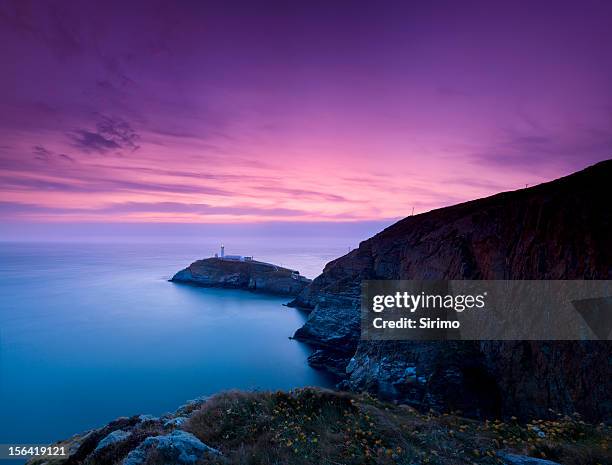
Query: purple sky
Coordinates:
[225,112]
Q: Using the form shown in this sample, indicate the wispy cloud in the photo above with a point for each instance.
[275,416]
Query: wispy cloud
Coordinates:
[195,113]
[111,134]
[43,154]
[160,210]
[92,184]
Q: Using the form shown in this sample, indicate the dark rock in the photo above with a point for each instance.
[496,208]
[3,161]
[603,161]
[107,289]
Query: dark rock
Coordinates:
[443,375]
[329,361]
[249,275]
[333,325]
[558,230]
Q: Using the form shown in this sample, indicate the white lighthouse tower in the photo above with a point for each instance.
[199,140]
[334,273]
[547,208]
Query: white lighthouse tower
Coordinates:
[222,251]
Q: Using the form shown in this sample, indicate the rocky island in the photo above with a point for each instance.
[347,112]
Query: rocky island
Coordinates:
[238,272]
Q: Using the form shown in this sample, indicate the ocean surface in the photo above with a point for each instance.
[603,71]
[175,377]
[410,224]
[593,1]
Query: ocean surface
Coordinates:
[93,331]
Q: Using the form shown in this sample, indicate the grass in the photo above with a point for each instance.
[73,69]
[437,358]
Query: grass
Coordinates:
[315,426]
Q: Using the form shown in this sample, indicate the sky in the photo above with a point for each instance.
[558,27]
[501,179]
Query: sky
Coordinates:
[255,112]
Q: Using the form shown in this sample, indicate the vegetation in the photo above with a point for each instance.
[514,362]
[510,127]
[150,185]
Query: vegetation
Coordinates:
[315,426]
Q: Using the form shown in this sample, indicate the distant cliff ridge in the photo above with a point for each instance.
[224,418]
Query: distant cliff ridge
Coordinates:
[557,230]
[246,274]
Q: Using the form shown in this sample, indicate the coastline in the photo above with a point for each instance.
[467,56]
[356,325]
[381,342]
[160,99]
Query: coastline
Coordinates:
[448,402]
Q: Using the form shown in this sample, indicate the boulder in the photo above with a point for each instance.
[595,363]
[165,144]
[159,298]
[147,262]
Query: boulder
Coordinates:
[178,447]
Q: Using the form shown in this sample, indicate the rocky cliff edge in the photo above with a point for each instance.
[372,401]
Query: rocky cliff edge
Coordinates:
[557,230]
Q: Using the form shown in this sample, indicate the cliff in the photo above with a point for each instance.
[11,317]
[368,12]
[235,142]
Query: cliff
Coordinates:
[249,275]
[557,230]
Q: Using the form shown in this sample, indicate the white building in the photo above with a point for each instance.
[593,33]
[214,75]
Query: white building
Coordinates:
[236,258]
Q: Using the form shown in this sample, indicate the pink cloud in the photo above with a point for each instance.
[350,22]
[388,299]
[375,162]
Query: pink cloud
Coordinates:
[201,114]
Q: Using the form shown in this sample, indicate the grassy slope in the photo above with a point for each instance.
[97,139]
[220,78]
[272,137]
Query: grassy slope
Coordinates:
[316,426]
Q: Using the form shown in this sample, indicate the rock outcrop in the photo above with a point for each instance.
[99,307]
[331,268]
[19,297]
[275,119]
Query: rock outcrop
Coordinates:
[250,275]
[141,439]
[557,230]
[178,447]
[312,426]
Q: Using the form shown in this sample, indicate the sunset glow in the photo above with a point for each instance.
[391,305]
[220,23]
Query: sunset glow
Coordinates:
[207,115]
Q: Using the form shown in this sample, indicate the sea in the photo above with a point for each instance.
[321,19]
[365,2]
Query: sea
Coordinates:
[93,331]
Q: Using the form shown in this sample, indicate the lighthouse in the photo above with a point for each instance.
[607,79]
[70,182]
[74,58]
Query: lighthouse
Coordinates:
[222,251]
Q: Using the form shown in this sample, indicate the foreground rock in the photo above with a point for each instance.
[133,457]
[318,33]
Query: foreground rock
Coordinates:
[141,439]
[178,447]
[315,426]
[557,230]
[249,275]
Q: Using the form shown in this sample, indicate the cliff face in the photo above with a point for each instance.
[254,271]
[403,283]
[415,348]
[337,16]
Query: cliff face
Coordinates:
[557,230]
[249,275]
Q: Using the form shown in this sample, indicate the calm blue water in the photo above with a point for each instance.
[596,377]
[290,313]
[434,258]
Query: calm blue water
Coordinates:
[90,332]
